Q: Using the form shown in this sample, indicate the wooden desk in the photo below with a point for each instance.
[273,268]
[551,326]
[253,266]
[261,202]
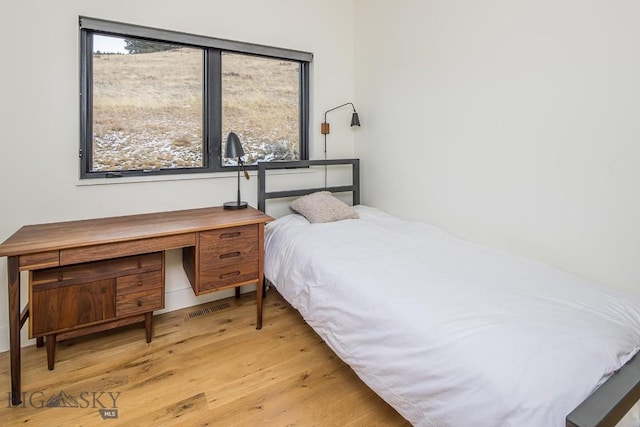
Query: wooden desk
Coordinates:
[223,249]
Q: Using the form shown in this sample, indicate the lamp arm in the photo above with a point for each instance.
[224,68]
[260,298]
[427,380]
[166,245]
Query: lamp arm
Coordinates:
[339,106]
[246,174]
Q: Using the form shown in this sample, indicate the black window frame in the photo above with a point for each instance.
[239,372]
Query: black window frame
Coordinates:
[213,48]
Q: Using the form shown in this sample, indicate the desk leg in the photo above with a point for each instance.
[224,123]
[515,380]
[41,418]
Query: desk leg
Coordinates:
[14,327]
[259,300]
[259,287]
[51,351]
[148,325]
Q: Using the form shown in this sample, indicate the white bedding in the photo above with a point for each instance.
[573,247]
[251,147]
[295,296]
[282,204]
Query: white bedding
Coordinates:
[448,332]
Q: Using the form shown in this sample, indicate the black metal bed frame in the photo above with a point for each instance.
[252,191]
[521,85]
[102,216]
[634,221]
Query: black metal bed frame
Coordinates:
[263,195]
[610,402]
[605,407]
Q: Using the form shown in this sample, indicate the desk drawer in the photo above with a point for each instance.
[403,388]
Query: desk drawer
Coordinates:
[216,277]
[39,260]
[240,250]
[139,282]
[127,248]
[73,274]
[231,236]
[139,302]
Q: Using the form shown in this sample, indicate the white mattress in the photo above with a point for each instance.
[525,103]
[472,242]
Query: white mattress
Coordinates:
[448,332]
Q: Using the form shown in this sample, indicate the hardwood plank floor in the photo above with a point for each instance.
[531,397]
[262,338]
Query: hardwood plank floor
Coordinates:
[212,368]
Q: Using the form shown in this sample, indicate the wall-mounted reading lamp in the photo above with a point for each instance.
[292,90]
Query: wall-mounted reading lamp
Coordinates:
[325,128]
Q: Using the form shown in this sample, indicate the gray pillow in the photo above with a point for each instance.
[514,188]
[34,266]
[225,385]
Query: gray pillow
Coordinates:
[323,207]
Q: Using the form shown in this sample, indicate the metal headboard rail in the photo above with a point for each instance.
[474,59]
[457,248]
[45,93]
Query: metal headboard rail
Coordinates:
[263,195]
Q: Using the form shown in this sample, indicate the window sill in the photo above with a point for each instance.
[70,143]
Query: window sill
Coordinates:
[184,177]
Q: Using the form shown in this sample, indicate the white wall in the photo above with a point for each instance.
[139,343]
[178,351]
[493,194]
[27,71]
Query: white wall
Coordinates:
[512,123]
[523,115]
[39,107]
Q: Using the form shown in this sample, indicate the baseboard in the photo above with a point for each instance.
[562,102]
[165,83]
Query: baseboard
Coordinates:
[183,298]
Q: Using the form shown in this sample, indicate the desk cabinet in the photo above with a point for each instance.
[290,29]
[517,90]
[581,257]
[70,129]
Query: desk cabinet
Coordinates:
[83,298]
[223,258]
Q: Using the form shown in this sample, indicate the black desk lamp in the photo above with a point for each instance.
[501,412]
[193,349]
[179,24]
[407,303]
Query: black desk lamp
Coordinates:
[234,150]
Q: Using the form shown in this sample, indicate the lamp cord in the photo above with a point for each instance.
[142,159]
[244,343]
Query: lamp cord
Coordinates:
[325,157]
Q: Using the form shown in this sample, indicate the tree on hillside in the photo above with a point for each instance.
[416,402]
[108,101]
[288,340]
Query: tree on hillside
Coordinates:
[146,46]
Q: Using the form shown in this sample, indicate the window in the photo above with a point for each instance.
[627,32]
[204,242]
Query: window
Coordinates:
[161,102]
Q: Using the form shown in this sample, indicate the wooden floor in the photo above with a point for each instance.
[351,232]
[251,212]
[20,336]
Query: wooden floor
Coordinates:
[207,365]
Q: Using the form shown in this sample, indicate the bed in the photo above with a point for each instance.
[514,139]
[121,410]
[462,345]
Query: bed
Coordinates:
[451,333]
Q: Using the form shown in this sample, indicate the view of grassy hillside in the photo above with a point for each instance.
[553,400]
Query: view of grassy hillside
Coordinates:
[147,108]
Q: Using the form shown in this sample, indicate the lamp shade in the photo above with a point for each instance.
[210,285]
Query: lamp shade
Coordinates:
[355,120]
[233,148]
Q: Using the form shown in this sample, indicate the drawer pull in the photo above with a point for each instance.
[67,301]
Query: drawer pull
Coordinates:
[227,275]
[230,235]
[60,276]
[230,255]
[139,303]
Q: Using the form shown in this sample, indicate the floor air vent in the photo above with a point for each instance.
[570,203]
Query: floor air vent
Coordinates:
[207,310]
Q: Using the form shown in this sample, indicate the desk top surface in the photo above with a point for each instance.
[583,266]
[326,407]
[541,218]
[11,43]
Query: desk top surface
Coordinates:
[72,234]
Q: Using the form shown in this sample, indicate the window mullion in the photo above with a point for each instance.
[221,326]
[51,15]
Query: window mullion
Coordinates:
[213,84]
[304,111]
